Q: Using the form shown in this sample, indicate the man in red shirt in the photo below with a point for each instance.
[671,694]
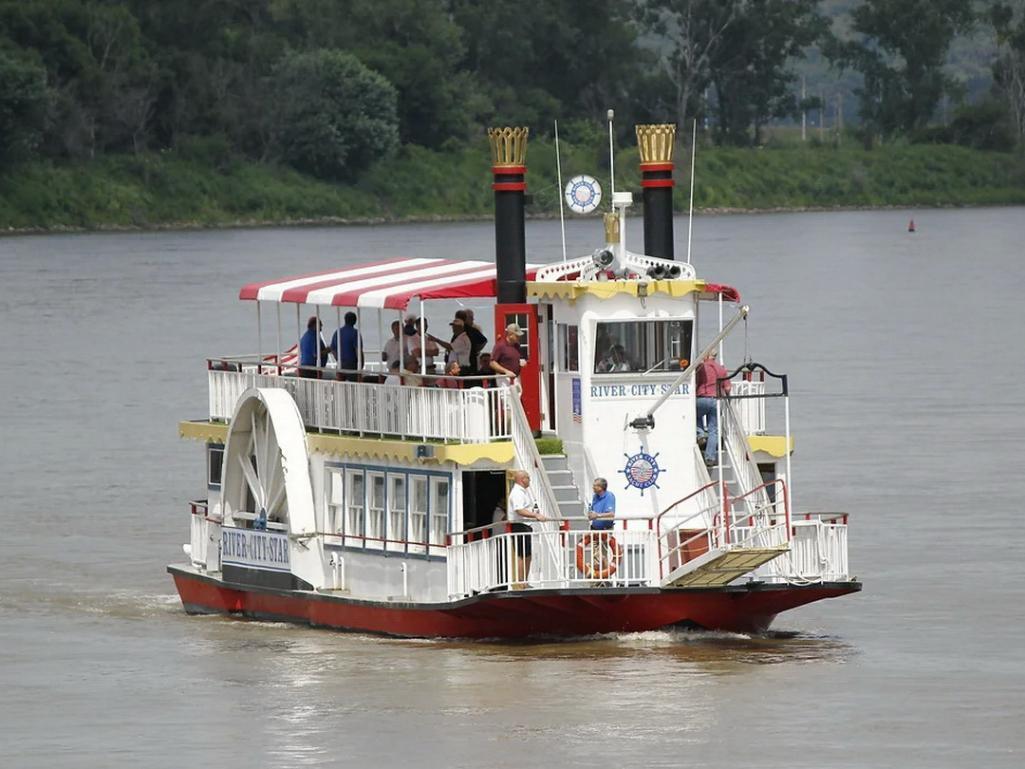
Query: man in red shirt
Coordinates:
[709,371]
[505,358]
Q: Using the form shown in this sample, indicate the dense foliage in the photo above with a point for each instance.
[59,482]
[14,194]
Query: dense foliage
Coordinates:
[329,87]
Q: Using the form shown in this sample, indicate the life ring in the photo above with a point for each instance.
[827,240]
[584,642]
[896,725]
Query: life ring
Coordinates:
[590,570]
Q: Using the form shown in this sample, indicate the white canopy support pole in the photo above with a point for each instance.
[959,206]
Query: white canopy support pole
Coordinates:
[423,339]
[338,337]
[380,329]
[277,357]
[299,339]
[359,336]
[259,340]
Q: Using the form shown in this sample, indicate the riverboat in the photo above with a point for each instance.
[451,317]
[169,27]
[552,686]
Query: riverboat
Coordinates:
[343,500]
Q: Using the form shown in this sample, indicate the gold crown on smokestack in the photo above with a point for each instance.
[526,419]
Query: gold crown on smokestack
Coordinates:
[656,142]
[508,146]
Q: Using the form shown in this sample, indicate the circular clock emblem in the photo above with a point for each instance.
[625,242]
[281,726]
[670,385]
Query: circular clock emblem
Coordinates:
[583,194]
[641,470]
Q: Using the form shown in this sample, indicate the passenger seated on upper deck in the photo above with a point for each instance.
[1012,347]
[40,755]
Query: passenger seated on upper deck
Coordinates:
[451,380]
[393,377]
[308,358]
[410,377]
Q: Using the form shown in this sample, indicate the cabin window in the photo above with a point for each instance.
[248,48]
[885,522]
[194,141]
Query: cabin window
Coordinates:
[396,511]
[335,508]
[639,346]
[439,510]
[354,505]
[375,509]
[214,460]
[569,355]
[419,501]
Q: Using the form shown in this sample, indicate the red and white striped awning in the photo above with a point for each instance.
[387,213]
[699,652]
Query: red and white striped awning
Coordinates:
[389,284]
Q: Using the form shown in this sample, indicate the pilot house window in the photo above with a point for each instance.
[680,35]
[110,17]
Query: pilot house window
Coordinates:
[642,346]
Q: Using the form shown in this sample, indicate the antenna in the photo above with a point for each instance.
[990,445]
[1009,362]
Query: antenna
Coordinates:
[693,154]
[612,158]
[558,170]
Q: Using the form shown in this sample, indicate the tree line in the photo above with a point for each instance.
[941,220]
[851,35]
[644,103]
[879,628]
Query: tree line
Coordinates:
[329,86]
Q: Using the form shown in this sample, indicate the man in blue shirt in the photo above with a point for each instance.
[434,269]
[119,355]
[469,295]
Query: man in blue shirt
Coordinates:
[347,346]
[602,510]
[308,349]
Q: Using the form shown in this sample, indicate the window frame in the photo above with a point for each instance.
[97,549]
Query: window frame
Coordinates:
[666,354]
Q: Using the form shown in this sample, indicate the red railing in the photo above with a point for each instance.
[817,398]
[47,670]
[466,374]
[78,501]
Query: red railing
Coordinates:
[786,501]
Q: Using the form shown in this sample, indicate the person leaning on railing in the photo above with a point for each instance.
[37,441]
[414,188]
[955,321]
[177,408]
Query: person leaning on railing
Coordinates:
[522,508]
[602,510]
[505,357]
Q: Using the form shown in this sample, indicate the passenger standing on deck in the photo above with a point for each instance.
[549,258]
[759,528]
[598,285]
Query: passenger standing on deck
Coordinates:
[709,371]
[505,358]
[602,510]
[347,346]
[429,348]
[460,348]
[521,509]
[393,347]
[308,349]
[477,338]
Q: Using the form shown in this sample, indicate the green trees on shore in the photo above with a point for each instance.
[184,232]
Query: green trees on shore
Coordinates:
[329,87]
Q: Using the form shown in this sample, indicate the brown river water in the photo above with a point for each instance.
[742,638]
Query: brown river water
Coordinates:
[907,366]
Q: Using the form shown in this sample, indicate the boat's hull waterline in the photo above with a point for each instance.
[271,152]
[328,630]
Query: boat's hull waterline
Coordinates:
[750,608]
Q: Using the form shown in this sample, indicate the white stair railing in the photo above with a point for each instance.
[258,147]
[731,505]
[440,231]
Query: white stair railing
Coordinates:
[528,458]
[746,475]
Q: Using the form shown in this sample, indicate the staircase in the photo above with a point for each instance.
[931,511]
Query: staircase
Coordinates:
[567,495]
[750,533]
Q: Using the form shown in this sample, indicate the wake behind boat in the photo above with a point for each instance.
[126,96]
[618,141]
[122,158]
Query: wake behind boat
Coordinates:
[360,497]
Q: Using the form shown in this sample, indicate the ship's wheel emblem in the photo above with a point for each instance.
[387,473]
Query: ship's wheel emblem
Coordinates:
[641,470]
[583,194]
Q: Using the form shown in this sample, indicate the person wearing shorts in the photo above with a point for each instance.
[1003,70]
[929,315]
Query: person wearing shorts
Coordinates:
[522,508]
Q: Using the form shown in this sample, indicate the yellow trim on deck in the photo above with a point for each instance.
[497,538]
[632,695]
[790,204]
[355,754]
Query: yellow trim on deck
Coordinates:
[500,452]
[773,445]
[208,432]
[572,290]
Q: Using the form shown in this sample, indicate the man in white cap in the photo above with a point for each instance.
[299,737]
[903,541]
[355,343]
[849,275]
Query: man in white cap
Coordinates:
[505,358]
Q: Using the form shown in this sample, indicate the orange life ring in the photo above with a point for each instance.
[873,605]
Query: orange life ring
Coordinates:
[590,570]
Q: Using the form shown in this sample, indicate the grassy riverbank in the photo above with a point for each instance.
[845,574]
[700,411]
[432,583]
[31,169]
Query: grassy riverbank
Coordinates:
[201,185]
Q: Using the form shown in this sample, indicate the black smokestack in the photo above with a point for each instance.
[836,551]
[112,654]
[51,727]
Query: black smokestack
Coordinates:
[655,143]
[508,164]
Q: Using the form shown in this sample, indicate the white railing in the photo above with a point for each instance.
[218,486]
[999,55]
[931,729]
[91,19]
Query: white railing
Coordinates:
[746,474]
[486,559]
[476,415]
[818,552]
[750,405]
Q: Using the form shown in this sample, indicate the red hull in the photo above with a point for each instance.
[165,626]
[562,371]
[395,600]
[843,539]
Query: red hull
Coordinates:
[512,614]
